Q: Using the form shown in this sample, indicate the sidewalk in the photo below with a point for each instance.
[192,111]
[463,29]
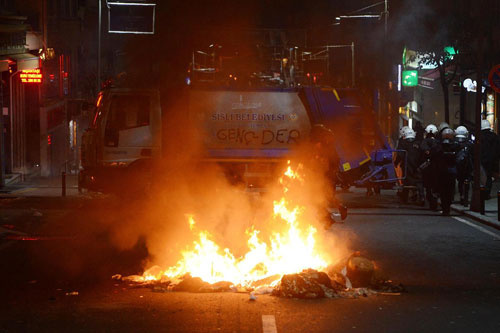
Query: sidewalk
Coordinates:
[490,206]
[41,187]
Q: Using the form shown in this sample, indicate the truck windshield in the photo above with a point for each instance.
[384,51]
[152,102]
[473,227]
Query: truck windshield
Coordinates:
[128,111]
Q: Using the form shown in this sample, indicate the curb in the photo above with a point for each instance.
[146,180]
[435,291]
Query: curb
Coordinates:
[490,221]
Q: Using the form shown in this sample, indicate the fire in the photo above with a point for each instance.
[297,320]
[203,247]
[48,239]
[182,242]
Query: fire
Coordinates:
[288,251]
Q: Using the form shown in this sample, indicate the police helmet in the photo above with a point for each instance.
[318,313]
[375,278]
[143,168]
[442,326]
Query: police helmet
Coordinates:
[409,134]
[402,131]
[431,129]
[485,124]
[461,132]
[443,125]
[447,134]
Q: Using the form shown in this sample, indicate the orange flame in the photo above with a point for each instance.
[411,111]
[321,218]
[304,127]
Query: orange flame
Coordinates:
[286,252]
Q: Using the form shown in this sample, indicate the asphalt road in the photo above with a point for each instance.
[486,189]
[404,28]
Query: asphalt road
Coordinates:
[450,266]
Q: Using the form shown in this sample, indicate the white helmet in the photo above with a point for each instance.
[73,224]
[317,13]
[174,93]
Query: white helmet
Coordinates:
[431,129]
[447,134]
[485,124]
[443,125]
[409,134]
[461,132]
[402,131]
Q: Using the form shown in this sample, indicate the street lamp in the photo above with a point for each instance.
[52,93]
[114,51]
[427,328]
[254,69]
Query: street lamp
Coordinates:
[364,16]
[338,18]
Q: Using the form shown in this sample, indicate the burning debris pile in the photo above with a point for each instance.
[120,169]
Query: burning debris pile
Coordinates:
[358,277]
[307,284]
[293,262]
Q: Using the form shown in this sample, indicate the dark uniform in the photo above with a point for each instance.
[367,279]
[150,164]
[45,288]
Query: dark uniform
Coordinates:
[325,159]
[444,159]
[427,166]
[489,156]
[413,173]
[464,158]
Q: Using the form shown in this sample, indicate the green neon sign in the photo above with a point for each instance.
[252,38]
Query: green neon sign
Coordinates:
[410,78]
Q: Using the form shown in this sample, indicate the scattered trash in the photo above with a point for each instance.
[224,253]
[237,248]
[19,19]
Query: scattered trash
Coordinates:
[217,287]
[307,284]
[264,290]
[359,270]
[240,289]
[160,289]
[32,281]
[191,284]
[388,294]
[72,293]
[353,277]
[348,283]
[130,278]
[37,213]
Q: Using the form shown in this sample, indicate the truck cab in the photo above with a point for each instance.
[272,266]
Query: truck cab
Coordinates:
[123,139]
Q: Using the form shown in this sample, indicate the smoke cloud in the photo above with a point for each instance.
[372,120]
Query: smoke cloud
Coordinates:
[185,184]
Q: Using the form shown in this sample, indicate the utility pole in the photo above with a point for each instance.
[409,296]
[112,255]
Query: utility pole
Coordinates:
[386,15]
[353,76]
[99,47]
[475,205]
[2,142]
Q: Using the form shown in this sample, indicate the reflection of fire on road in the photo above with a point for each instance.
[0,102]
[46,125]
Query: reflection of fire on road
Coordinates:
[291,262]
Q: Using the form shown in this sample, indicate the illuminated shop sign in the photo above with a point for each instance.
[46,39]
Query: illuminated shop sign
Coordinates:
[31,76]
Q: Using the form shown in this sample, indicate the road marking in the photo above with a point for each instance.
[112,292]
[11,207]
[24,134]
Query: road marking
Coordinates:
[269,324]
[486,231]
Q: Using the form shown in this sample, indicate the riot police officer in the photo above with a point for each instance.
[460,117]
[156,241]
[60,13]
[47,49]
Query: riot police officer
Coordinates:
[426,166]
[400,142]
[326,160]
[413,175]
[489,154]
[444,125]
[444,159]
[464,163]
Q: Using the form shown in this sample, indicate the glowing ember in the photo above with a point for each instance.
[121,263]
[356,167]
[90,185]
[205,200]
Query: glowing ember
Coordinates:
[286,252]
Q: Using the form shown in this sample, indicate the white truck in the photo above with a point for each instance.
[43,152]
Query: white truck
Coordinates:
[246,132]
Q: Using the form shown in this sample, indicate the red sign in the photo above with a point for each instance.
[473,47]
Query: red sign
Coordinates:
[31,76]
[494,78]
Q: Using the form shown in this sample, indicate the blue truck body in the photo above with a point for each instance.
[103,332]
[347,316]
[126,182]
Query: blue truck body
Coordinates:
[366,157]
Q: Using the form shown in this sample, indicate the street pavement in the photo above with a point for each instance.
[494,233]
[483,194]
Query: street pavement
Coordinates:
[490,216]
[41,187]
[51,246]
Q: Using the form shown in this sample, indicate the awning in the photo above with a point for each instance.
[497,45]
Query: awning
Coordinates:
[25,61]
[4,64]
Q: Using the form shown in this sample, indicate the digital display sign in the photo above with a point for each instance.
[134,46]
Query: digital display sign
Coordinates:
[31,76]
